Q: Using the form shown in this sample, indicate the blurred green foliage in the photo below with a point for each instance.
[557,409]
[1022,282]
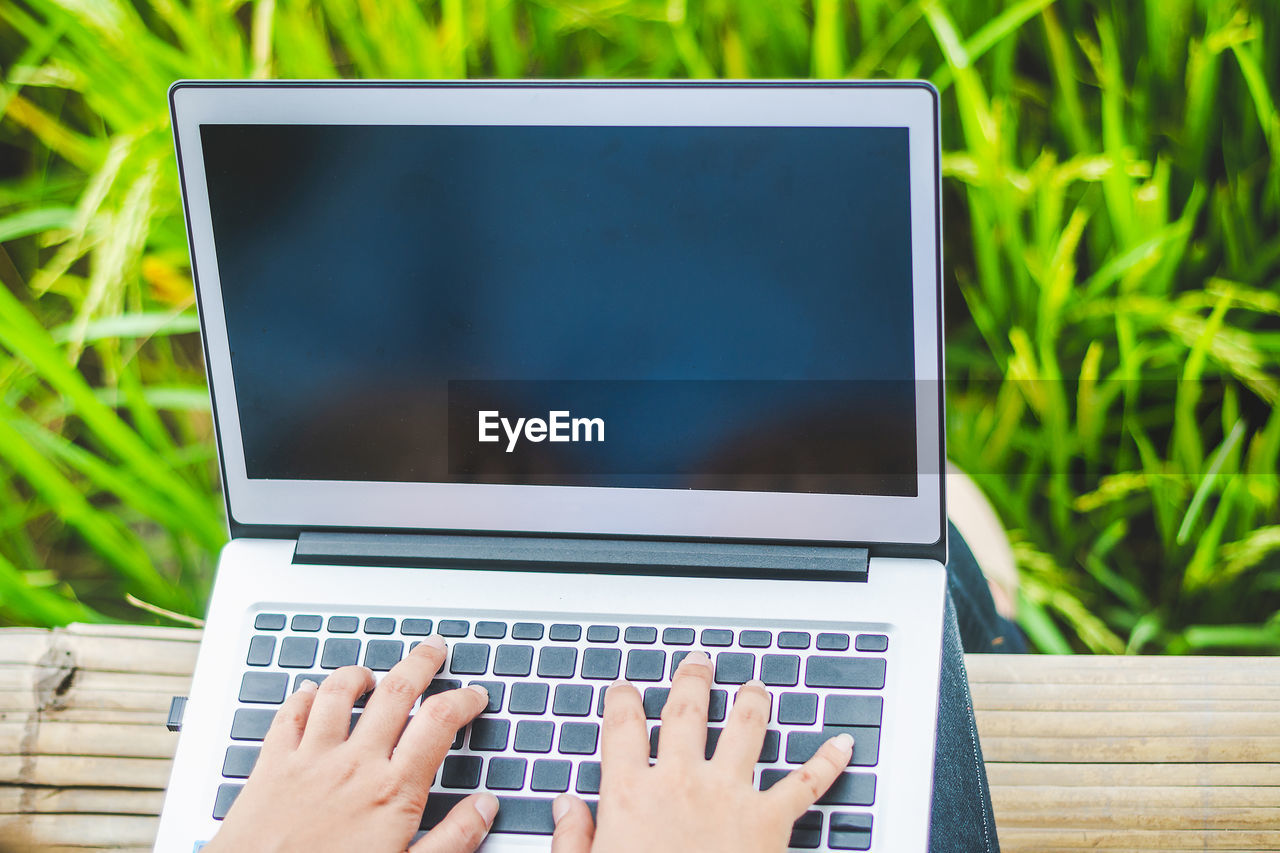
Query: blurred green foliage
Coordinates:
[1112,196]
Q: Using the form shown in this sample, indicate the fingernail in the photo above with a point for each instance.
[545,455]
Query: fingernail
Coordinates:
[435,641]
[696,659]
[561,807]
[481,689]
[621,682]
[755,682]
[487,805]
[308,686]
[843,741]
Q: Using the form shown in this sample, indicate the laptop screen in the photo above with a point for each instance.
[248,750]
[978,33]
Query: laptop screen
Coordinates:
[722,308]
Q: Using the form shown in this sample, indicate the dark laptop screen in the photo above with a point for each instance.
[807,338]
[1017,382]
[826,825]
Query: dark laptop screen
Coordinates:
[653,307]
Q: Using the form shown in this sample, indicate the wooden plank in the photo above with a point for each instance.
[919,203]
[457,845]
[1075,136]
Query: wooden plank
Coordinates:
[85,770]
[1047,797]
[1068,775]
[1193,724]
[1210,749]
[39,800]
[1018,838]
[72,830]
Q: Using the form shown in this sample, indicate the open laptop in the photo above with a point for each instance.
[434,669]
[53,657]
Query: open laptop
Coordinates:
[582,376]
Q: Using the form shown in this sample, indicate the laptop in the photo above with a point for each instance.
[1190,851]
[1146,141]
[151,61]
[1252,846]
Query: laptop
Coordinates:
[582,376]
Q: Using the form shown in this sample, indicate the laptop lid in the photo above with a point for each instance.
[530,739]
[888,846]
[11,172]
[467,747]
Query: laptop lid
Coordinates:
[702,311]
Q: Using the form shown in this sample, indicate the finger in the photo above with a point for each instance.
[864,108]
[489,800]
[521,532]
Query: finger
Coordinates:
[738,749]
[290,721]
[388,709]
[426,741]
[802,787]
[574,827]
[462,829]
[330,717]
[684,717]
[624,734]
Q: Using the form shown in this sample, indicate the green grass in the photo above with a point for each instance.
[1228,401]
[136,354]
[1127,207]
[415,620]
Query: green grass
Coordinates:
[1112,227]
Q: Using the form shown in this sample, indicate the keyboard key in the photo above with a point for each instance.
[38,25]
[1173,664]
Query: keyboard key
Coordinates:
[849,831]
[833,642]
[264,687]
[513,660]
[528,697]
[534,735]
[572,700]
[469,659]
[526,631]
[379,625]
[440,685]
[638,634]
[505,774]
[550,774]
[415,627]
[755,639]
[735,667]
[852,710]
[317,677]
[769,749]
[340,651]
[713,738]
[866,744]
[454,627]
[677,657]
[717,705]
[861,673]
[806,833]
[251,723]
[588,778]
[798,709]
[678,636]
[770,777]
[269,622]
[524,816]
[601,663]
[491,630]
[646,664]
[793,640]
[298,652]
[557,661]
[602,634]
[562,633]
[381,655]
[262,648]
[306,623]
[461,771]
[343,624]
[223,799]
[851,789]
[579,738]
[717,637]
[496,690]
[655,698]
[240,761]
[780,670]
[490,735]
[871,643]
[439,804]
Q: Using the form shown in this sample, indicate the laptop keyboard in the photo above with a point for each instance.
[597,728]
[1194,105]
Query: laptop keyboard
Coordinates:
[540,735]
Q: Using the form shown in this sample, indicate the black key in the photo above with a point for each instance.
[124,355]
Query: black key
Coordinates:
[655,698]
[505,774]
[379,625]
[755,639]
[381,655]
[440,685]
[572,700]
[239,761]
[513,660]
[769,778]
[677,657]
[806,833]
[351,727]
[557,661]
[646,664]
[317,677]
[600,702]
[362,700]
[461,771]
[638,634]
[718,706]
[469,659]
[588,778]
[866,744]
[491,630]
[528,697]
[454,627]
[262,648]
[439,804]
[793,640]
[602,634]
[223,799]
[534,735]
[717,637]
[496,690]
[871,643]
[579,738]
[550,774]
[457,739]
[298,652]
[563,633]
[524,816]
[713,738]
[735,667]
[306,623]
[269,622]
[264,687]
[678,636]
[798,709]
[833,642]
[415,627]
[849,831]
[526,631]
[851,789]
[852,711]
[601,663]
[780,670]
[862,673]
[490,735]
[340,651]
[251,723]
[769,749]
[343,624]
[655,734]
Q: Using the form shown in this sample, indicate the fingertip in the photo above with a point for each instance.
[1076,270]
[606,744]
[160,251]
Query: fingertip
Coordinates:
[561,806]
[843,742]
[487,806]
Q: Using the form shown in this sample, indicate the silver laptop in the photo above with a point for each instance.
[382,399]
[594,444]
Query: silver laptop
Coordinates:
[583,376]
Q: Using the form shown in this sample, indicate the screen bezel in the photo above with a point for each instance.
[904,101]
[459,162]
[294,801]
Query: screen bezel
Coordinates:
[289,505]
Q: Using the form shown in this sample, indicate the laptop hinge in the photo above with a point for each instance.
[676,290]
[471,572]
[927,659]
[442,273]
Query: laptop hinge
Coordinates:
[619,556]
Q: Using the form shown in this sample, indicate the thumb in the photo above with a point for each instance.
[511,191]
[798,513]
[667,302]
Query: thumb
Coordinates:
[574,827]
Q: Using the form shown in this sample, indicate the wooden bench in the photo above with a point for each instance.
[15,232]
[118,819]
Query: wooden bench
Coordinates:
[1083,752]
